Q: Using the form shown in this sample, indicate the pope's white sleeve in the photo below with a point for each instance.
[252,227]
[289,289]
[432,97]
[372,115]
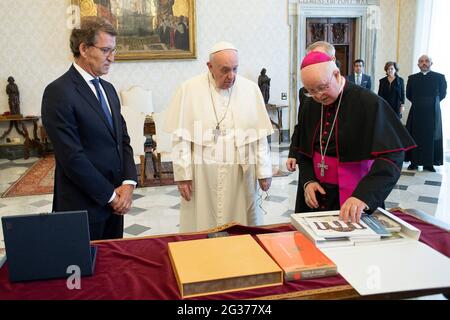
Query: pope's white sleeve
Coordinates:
[182,160]
[263,159]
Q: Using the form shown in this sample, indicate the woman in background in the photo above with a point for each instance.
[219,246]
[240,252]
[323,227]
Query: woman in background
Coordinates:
[392,88]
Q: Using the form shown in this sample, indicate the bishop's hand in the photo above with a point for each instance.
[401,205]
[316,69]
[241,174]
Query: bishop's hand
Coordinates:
[352,209]
[291,164]
[310,194]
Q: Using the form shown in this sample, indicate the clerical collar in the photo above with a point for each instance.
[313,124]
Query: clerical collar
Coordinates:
[425,73]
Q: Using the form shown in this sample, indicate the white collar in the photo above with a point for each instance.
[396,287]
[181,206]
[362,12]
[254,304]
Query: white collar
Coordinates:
[86,76]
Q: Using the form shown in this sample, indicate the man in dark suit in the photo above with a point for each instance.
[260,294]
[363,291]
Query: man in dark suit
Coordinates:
[359,77]
[426,90]
[95,170]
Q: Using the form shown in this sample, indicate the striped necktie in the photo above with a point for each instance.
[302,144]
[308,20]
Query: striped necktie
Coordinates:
[102,100]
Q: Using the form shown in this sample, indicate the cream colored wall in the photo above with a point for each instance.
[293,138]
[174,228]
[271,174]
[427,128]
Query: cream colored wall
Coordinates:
[397,38]
[34,48]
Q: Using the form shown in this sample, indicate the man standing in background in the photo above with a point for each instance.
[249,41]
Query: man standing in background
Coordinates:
[425,90]
[359,77]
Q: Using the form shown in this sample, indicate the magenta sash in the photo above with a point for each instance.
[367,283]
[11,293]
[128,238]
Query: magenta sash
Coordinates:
[345,175]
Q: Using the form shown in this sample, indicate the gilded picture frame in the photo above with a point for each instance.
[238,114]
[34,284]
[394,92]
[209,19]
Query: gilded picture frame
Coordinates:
[147,29]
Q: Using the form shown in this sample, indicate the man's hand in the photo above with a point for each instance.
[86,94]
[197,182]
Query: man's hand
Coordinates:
[352,208]
[291,164]
[185,188]
[264,184]
[310,194]
[124,198]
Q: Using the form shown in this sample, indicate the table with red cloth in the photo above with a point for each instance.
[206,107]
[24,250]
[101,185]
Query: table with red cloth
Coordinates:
[140,268]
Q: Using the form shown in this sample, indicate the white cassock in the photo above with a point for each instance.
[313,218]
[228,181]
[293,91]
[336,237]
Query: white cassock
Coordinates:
[224,167]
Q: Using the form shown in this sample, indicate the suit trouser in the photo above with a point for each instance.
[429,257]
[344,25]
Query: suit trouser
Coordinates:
[111,228]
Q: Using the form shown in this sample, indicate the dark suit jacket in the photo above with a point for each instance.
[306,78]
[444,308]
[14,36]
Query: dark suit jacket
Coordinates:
[91,158]
[366,81]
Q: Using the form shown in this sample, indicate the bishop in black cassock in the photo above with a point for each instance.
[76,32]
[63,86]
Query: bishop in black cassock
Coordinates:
[426,90]
[350,144]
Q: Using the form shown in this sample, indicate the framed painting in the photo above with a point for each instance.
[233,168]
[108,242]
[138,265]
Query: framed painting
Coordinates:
[147,29]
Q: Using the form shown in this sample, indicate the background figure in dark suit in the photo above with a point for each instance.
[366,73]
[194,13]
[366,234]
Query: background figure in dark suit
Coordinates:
[359,77]
[425,90]
[392,88]
[95,170]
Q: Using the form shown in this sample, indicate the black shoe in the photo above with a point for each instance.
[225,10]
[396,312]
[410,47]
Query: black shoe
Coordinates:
[412,167]
[429,168]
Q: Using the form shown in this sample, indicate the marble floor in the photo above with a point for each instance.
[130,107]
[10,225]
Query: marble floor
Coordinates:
[156,209]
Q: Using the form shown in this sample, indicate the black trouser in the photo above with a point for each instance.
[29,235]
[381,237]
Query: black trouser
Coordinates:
[111,228]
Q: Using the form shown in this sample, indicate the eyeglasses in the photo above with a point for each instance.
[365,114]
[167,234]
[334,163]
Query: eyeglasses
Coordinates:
[320,90]
[106,51]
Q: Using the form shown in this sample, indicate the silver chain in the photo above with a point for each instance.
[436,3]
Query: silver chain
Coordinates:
[214,107]
[324,152]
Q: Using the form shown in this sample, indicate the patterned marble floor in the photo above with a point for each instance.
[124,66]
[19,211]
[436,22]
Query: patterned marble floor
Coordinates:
[156,210]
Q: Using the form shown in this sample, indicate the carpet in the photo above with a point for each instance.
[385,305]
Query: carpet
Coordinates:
[38,179]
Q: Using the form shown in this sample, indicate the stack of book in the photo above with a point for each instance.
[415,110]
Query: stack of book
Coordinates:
[325,229]
[395,262]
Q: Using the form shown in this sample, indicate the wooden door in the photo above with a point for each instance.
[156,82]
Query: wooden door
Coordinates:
[340,32]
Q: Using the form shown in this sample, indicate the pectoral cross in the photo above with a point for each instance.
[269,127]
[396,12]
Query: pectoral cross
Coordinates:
[322,166]
[217,133]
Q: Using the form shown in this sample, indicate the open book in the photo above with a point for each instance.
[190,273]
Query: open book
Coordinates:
[394,263]
[326,230]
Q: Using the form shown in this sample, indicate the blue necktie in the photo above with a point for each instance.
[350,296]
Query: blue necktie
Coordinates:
[102,100]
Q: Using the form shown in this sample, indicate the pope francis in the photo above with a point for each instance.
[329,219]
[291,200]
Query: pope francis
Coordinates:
[220,153]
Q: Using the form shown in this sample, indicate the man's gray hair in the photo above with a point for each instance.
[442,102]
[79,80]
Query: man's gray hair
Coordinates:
[423,56]
[328,47]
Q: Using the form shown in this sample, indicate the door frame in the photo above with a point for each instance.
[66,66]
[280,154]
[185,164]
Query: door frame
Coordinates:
[365,38]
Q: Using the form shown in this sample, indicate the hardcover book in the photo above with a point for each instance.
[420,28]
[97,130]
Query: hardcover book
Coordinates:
[388,224]
[395,263]
[329,226]
[297,255]
[223,264]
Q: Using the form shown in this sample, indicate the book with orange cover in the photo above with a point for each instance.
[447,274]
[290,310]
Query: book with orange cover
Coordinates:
[297,255]
[224,264]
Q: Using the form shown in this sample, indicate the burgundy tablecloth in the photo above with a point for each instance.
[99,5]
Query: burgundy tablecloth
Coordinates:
[141,269]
